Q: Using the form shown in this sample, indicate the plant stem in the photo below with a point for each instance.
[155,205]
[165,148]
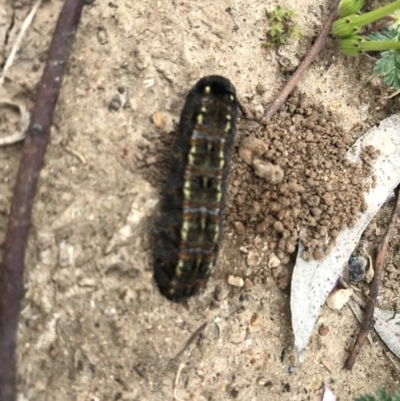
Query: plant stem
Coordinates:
[368,322]
[375,15]
[373,45]
[12,268]
[352,24]
[312,54]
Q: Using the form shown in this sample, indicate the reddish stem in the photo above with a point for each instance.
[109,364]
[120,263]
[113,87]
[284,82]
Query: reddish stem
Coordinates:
[12,268]
[368,322]
[312,54]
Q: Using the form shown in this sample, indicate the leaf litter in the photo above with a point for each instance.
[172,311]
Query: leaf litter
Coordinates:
[312,281]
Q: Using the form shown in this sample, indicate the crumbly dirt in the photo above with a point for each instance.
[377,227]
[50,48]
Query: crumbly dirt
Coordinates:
[93,324]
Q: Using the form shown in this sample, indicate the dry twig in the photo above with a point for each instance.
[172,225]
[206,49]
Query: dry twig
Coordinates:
[192,338]
[12,268]
[368,322]
[312,54]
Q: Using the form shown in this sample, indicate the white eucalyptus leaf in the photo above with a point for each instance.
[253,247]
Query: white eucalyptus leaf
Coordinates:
[313,280]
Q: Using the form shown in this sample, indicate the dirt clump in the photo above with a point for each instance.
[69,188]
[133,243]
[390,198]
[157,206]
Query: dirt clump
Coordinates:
[318,191]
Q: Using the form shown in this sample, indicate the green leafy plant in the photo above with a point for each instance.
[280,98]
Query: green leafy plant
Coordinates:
[281,27]
[382,396]
[389,64]
[354,38]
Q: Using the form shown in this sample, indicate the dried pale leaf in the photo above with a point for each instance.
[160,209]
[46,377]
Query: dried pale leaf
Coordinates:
[339,298]
[328,395]
[387,325]
[313,280]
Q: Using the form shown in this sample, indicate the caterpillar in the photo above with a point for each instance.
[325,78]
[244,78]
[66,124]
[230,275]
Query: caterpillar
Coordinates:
[194,196]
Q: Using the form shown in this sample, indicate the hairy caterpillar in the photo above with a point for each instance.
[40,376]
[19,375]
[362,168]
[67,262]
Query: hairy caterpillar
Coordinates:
[194,196]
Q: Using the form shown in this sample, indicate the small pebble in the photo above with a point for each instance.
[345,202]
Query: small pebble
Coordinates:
[243,297]
[273,261]
[263,381]
[291,368]
[248,284]
[235,281]
[356,268]
[121,89]
[252,259]
[255,319]
[323,330]
[217,295]
[339,298]
[115,103]
[239,227]
[66,254]
[124,65]
[158,120]
[243,250]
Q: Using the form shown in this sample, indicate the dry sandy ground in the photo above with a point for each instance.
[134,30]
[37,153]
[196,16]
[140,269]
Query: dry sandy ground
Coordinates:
[93,324]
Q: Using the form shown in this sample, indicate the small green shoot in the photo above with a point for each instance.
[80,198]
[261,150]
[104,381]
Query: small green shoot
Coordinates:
[354,23]
[389,64]
[384,36]
[281,27]
[348,7]
[382,396]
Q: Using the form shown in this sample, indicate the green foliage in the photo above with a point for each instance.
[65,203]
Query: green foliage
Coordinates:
[281,27]
[382,396]
[389,64]
[385,36]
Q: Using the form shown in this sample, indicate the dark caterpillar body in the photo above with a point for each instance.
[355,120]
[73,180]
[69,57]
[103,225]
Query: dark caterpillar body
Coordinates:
[194,196]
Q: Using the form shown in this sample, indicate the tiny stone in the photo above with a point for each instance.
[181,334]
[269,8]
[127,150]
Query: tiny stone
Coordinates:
[260,89]
[274,261]
[243,250]
[323,330]
[339,298]
[124,65]
[66,252]
[115,103]
[248,284]
[235,281]
[239,227]
[291,368]
[158,120]
[255,319]
[252,259]
[263,381]
[151,160]
[217,293]
[356,266]
[121,89]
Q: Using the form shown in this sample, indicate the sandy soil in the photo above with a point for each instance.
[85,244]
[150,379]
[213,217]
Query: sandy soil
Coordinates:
[93,324]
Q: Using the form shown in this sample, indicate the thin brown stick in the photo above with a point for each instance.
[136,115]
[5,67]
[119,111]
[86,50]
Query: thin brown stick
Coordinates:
[12,268]
[368,322]
[312,54]
[192,338]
